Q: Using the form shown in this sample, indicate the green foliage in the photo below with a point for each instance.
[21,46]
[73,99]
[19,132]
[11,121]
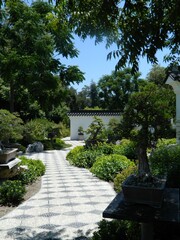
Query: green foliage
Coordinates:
[107,167]
[96,131]
[72,154]
[113,132]
[131,25]
[157,75]
[37,130]
[35,169]
[146,118]
[34,78]
[117,229]
[104,148]
[12,192]
[83,157]
[126,148]
[115,89]
[164,141]
[120,177]
[11,126]
[56,143]
[165,161]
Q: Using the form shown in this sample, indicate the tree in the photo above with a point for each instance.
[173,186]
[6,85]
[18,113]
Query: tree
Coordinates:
[83,98]
[157,75]
[29,36]
[11,126]
[147,118]
[139,28]
[116,88]
[96,132]
[94,95]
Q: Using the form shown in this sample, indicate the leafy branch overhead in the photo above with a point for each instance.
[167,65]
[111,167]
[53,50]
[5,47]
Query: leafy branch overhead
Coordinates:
[33,42]
[138,28]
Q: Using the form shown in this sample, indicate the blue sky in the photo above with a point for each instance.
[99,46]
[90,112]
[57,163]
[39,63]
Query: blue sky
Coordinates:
[93,61]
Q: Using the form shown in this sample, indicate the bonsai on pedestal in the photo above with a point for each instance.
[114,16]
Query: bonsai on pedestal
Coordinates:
[11,129]
[80,133]
[145,119]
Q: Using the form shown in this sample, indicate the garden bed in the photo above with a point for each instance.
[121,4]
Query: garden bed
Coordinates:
[32,189]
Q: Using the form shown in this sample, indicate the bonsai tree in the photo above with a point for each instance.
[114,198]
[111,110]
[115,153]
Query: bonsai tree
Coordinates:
[96,131]
[80,130]
[11,126]
[146,118]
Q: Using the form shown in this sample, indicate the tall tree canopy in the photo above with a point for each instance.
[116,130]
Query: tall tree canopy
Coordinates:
[138,27]
[115,89]
[30,37]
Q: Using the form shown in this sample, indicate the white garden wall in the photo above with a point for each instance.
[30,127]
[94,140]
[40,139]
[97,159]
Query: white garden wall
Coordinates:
[84,119]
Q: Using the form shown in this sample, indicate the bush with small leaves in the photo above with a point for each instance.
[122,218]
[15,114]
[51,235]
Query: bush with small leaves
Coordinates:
[126,148]
[73,153]
[164,141]
[117,229]
[120,177]
[12,192]
[86,159]
[105,148]
[165,161]
[56,143]
[37,130]
[35,169]
[108,166]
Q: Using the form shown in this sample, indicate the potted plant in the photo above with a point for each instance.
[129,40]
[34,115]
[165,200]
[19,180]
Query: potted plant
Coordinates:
[145,119]
[80,133]
[10,129]
[6,154]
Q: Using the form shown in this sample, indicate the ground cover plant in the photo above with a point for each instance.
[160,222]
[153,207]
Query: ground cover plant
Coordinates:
[35,169]
[12,191]
[121,176]
[126,148]
[165,162]
[107,167]
[83,156]
[116,229]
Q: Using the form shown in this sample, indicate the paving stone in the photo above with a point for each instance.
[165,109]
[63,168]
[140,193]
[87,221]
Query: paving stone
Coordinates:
[71,201]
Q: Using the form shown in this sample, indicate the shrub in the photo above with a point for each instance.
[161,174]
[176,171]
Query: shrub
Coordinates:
[107,167]
[38,129]
[12,192]
[56,143]
[73,153]
[164,141]
[117,229]
[35,169]
[86,158]
[126,148]
[83,157]
[165,161]
[120,177]
[11,126]
[104,148]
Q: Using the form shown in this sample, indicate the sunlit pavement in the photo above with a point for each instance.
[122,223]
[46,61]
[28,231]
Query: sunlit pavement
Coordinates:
[69,204]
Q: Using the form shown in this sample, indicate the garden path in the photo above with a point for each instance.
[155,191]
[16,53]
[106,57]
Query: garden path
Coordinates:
[68,206]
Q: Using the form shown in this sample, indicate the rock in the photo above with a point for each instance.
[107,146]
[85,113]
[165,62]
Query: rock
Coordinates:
[35,147]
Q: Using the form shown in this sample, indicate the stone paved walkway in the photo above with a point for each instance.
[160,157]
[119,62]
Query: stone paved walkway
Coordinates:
[68,206]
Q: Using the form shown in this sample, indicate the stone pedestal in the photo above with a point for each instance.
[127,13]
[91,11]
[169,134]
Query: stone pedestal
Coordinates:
[146,215]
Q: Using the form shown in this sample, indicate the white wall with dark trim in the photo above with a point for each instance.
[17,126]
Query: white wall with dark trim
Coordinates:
[77,120]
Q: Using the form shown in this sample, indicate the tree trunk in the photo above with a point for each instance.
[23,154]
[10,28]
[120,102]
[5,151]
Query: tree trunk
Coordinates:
[11,96]
[143,167]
